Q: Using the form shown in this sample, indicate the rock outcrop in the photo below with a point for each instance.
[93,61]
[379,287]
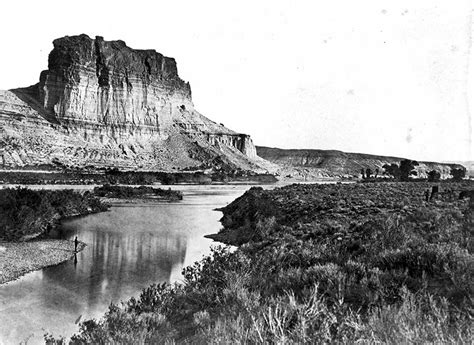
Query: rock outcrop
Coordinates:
[103,104]
[310,164]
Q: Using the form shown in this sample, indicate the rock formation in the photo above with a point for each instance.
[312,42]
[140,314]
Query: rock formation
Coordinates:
[103,104]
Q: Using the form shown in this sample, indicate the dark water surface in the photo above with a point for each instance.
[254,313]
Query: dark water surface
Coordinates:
[128,248]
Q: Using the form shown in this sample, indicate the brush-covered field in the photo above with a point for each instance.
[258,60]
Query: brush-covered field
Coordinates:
[338,263]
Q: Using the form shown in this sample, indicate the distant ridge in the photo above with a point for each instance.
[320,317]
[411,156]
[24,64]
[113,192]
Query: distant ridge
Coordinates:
[314,163]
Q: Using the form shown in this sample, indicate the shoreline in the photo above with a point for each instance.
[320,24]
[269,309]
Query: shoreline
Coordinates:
[20,258]
[115,177]
[135,201]
[346,202]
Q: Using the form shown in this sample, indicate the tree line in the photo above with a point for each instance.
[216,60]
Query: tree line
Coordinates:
[404,171]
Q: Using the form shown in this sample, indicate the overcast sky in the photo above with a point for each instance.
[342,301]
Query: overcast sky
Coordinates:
[375,76]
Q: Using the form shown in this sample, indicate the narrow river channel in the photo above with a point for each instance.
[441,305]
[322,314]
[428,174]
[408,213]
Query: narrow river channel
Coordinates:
[128,248]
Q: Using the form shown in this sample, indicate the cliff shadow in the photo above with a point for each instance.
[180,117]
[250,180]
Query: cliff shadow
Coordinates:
[30,95]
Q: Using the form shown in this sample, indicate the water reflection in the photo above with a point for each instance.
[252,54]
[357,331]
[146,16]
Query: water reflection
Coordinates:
[115,265]
[128,248]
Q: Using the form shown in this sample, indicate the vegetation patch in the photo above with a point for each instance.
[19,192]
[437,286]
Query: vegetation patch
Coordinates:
[114,176]
[126,192]
[26,213]
[369,263]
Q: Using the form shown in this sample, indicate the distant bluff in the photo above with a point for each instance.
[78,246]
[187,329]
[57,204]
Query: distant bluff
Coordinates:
[103,104]
[311,164]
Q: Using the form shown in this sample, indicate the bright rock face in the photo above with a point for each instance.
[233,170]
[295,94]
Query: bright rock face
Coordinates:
[103,104]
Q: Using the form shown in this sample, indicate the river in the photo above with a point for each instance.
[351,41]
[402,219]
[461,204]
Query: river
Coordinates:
[128,248]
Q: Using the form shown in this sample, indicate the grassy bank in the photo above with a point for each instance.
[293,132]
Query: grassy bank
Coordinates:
[318,263]
[19,258]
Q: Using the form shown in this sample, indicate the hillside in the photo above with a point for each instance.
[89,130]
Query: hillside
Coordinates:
[308,164]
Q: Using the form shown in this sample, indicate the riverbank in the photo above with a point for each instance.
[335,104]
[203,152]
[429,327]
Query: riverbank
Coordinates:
[114,176]
[19,258]
[27,214]
[343,263]
[339,207]
[26,218]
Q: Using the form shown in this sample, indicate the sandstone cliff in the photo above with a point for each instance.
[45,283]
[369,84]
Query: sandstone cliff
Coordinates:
[309,164]
[103,104]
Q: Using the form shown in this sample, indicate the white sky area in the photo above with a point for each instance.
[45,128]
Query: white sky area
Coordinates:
[383,76]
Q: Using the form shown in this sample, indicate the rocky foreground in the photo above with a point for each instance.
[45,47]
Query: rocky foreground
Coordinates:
[341,263]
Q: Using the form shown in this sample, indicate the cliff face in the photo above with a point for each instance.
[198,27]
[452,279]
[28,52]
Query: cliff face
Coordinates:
[102,104]
[307,164]
[108,83]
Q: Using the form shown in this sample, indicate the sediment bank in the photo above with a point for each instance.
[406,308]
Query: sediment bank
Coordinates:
[19,258]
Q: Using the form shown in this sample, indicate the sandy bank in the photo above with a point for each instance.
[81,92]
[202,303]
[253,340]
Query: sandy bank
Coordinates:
[19,258]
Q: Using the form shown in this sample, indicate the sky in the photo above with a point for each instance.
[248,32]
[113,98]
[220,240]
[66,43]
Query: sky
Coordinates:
[373,76]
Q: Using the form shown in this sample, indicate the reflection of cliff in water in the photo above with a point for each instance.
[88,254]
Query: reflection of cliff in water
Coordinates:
[119,259]
[128,248]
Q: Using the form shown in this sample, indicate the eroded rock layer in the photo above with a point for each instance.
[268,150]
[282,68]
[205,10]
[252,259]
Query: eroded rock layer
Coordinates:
[103,104]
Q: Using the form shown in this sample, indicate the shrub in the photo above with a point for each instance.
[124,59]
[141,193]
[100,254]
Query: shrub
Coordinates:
[434,176]
[458,173]
[407,169]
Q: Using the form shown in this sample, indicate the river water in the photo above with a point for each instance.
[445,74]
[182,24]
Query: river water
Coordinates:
[128,248]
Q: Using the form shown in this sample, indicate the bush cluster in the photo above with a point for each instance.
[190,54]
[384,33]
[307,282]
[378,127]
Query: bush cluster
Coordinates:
[25,212]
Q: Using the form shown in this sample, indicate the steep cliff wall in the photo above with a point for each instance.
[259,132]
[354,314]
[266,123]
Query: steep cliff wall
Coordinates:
[101,103]
[95,81]
[331,163]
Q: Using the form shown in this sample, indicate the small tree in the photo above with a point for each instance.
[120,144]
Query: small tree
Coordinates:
[377,172]
[368,173]
[458,173]
[362,172]
[407,169]
[392,169]
[434,176]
